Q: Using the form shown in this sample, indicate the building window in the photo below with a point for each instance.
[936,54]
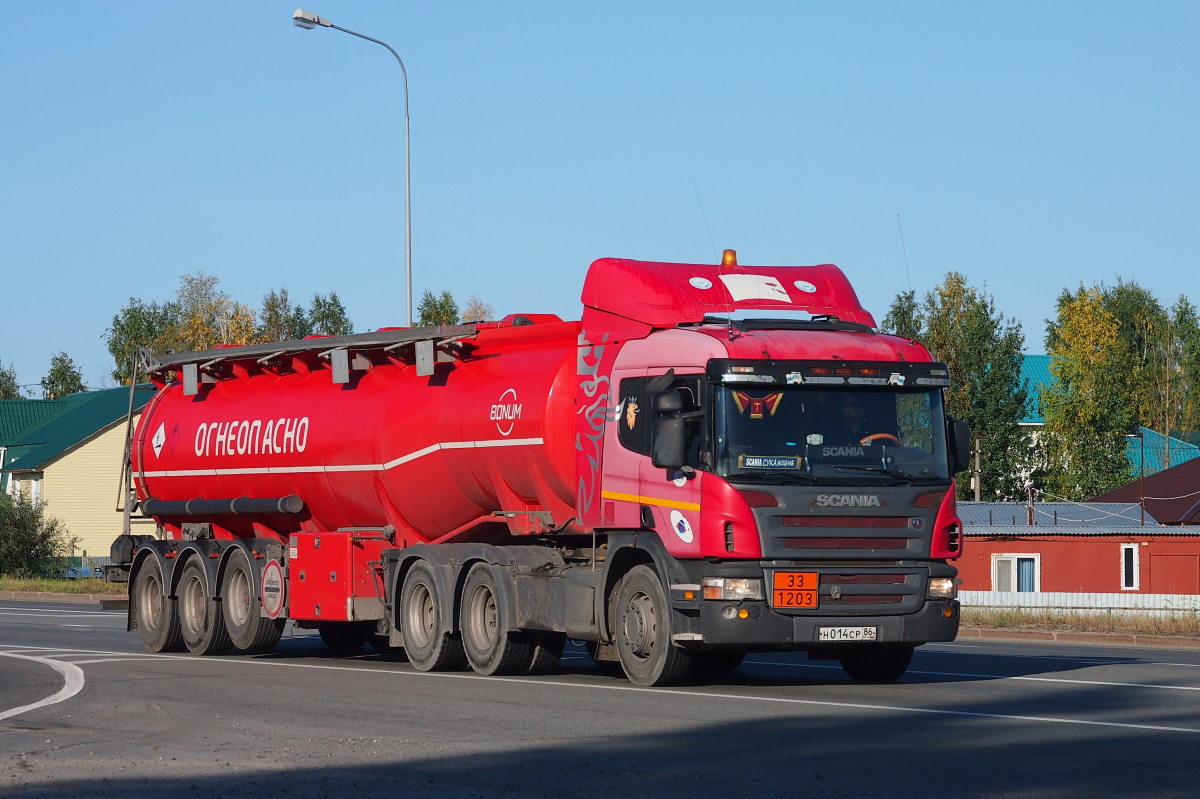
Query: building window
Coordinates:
[1022,573]
[1129,567]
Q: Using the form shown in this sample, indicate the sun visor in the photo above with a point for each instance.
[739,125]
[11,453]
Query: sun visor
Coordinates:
[665,295]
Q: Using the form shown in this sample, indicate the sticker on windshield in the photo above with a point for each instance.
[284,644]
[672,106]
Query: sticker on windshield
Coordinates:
[768,462]
[794,378]
[805,286]
[701,282]
[759,406]
[815,439]
[896,379]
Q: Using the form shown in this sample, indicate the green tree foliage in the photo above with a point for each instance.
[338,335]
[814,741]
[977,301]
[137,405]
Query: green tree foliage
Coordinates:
[904,318]
[327,317]
[279,320]
[437,310]
[208,317]
[1091,404]
[961,327]
[31,542]
[139,324]
[9,387]
[63,378]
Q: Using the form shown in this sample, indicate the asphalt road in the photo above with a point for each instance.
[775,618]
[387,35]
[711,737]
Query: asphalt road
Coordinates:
[980,719]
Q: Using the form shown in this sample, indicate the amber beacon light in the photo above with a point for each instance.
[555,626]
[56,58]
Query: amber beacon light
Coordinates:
[729,258]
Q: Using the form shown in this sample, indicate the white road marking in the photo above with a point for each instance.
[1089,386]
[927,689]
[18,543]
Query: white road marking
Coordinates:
[1114,661]
[73,681]
[533,682]
[1023,678]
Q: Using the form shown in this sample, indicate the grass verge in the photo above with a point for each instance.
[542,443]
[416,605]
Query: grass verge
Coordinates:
[1179,623]
[86,585]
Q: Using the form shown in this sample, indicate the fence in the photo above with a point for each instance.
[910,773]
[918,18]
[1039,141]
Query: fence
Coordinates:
[1061,601]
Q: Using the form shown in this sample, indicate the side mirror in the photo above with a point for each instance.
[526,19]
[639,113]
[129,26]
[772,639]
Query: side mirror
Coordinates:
[669,443]
[670,437]
[958,442]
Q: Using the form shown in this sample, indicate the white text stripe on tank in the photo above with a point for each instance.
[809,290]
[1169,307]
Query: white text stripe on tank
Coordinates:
[349,467]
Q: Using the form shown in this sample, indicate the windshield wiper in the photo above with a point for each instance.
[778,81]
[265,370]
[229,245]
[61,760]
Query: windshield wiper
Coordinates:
[899,475]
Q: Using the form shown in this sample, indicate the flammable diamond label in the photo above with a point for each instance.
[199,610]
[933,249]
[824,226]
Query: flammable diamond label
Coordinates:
[160,438]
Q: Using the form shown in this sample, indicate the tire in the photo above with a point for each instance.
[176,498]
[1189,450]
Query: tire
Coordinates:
[547,652]
[156,613]
[490,648]
[200,618]
[423,621]
[249,631]
[643,632]
[344,637]
[877,663]
[719,661]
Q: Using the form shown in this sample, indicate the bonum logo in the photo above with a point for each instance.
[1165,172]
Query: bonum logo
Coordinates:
[506,412]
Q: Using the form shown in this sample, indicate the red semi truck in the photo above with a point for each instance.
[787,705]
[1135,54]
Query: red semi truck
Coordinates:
[670,484]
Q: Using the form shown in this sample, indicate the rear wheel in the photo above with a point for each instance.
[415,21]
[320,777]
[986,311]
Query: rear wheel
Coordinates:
[200,619]
[423,622]
[156,613]
[249,631]
[344,637]
[643,632]
[877,663]
[490,647]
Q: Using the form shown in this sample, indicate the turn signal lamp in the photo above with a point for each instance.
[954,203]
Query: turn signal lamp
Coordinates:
[742,369]
[729,258]
[820,370]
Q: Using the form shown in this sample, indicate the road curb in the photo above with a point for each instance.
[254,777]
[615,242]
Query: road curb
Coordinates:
[106,601]
[1069,637]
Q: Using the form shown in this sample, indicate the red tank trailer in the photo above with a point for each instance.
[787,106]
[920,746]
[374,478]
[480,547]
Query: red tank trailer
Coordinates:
[675,480]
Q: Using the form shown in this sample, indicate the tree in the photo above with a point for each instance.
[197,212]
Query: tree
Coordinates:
[139,324]
[9,388]
[439,310]
[63,378]
[280,320]
[477,310]
[904,317]
[30,541]
[208,317]
[327,317]
[982,348]
[1088,408]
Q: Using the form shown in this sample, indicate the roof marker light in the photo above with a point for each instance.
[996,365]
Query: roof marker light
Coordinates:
[729,258]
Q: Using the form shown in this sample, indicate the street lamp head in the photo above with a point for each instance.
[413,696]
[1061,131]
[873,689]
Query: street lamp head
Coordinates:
[308,20]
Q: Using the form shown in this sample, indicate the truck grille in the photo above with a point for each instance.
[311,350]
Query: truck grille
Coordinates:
[846,543]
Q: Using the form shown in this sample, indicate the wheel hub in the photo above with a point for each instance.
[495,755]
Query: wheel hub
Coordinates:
[638,626]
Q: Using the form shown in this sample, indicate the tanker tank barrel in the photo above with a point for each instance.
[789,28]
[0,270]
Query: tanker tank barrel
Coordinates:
[241,506]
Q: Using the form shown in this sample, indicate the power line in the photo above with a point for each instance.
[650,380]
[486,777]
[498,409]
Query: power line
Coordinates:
[904,250]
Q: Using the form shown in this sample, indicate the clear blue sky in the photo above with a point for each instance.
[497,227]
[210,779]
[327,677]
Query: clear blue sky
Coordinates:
[1031,146]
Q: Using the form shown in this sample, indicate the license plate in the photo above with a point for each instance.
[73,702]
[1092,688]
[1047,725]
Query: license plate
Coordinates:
[847,633]
[794,589]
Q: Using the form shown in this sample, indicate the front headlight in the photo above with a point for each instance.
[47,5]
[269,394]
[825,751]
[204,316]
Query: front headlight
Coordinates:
[733,588]
[943,588]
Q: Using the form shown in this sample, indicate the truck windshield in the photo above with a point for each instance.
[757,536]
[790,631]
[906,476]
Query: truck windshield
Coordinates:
[850,436]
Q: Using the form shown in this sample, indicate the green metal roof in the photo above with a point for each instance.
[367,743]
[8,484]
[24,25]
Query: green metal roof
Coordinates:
[18,416]
[87,415]
[1036,370]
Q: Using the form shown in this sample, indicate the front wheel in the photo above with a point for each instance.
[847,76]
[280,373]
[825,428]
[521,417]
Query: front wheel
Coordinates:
[877,663]
[643,631]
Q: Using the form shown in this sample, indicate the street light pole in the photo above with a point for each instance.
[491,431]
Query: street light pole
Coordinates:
[308,20]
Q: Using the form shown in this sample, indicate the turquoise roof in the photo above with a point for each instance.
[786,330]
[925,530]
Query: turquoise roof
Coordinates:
[88,415]
[1035,371]
[18,416]
[1157,446]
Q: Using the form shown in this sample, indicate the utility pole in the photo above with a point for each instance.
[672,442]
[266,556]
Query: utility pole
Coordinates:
[978,479]
[1031,507]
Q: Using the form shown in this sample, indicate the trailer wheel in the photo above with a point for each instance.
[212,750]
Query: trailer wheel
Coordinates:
[643,631]
[877,663]
[249,630]
[547,652]
[344,637]
[422,620]
[490,648]
[200,619]
[157,616]
[719,661]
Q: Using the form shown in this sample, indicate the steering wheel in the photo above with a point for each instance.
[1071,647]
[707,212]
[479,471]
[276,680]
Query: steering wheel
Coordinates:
[877,436]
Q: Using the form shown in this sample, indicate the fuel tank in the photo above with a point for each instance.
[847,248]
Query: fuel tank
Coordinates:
[490,430]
